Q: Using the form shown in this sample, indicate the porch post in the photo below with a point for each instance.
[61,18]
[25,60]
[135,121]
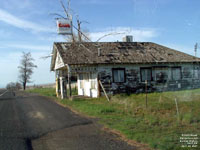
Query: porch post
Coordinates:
[57,80]
[61,88]
[69,80]
[69,84]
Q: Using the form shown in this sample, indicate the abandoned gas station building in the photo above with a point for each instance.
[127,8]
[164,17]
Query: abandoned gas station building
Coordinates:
[123,67]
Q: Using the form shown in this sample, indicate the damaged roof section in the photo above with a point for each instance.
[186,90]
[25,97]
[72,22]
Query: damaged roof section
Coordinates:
[119,52]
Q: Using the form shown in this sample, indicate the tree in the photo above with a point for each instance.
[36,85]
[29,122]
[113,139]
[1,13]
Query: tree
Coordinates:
[79,36]
[13,86]
[26,69]
[18,86]
[10,86]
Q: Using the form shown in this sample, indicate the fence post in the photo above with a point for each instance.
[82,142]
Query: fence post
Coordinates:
[177,111]
[146,91]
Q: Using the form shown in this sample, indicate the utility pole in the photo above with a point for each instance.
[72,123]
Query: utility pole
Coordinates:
[79,29]
[195,49]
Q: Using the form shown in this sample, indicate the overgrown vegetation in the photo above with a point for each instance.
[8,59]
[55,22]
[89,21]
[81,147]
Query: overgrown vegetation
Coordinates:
[158,125]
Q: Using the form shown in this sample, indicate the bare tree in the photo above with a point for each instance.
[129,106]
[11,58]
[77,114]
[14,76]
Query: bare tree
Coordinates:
[10,86]
[18,86]
[26,69]
[13,86]
[78,36]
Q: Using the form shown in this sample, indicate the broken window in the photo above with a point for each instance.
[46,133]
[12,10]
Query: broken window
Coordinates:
[187,72]
[196,74]
[176,73]
[161,74]
[146,74]
[118,75]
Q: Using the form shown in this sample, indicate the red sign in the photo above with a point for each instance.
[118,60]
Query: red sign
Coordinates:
[64,25]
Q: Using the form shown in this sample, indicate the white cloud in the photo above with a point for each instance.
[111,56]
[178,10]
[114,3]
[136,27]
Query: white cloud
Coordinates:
[189,49]
[10,62]
[5,34]
[52,38]
[26,47]
[22,24]
[138,34]
[13,4]
[31,47]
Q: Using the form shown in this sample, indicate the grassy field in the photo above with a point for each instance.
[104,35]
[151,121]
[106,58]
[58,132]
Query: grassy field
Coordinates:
[158,125]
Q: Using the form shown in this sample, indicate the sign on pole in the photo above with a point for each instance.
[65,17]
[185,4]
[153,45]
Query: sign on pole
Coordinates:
[64,26]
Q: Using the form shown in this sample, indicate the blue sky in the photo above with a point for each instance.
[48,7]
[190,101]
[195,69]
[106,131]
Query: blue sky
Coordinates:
[27,25]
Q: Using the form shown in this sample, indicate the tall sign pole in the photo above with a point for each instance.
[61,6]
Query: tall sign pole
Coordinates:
[195,49]
[65,27]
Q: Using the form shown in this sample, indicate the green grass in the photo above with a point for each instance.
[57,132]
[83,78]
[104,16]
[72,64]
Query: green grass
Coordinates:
[158,125]
[43,91]
[49,91]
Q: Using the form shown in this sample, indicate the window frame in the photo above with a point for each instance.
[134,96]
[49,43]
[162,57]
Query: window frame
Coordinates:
[143,68]
[154,71]
[176,67]
[115,69]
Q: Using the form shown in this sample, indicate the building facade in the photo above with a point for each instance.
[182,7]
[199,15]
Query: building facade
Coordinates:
[125,67]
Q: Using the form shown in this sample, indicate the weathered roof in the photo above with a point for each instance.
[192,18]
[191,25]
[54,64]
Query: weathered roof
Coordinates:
[119,52]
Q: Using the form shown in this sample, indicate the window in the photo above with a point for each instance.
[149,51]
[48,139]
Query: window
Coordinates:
[176,73]
[196,73]
[161,74]
[118,75]
[86,76]
[146,74]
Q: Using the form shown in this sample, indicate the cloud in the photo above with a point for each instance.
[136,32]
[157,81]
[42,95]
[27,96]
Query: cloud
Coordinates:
[138,34]
[26,47]
[5,34]
[13,4]
[31,47]
[10,62]
[22,24]
[189,49]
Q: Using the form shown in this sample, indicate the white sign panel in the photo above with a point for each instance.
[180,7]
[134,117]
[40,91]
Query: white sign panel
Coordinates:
[64,26]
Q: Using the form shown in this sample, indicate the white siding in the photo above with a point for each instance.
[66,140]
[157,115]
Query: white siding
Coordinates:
[59,62]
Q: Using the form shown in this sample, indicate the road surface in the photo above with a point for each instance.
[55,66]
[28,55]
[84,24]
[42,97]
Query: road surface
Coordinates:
[33,122]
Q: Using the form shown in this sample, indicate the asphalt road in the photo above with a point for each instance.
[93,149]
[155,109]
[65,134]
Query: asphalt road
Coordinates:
[30,122]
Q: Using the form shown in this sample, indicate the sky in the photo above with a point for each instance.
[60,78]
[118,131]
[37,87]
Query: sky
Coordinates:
[30,26]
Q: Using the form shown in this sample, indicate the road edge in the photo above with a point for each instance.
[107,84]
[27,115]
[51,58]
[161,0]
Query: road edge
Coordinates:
[139,146]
